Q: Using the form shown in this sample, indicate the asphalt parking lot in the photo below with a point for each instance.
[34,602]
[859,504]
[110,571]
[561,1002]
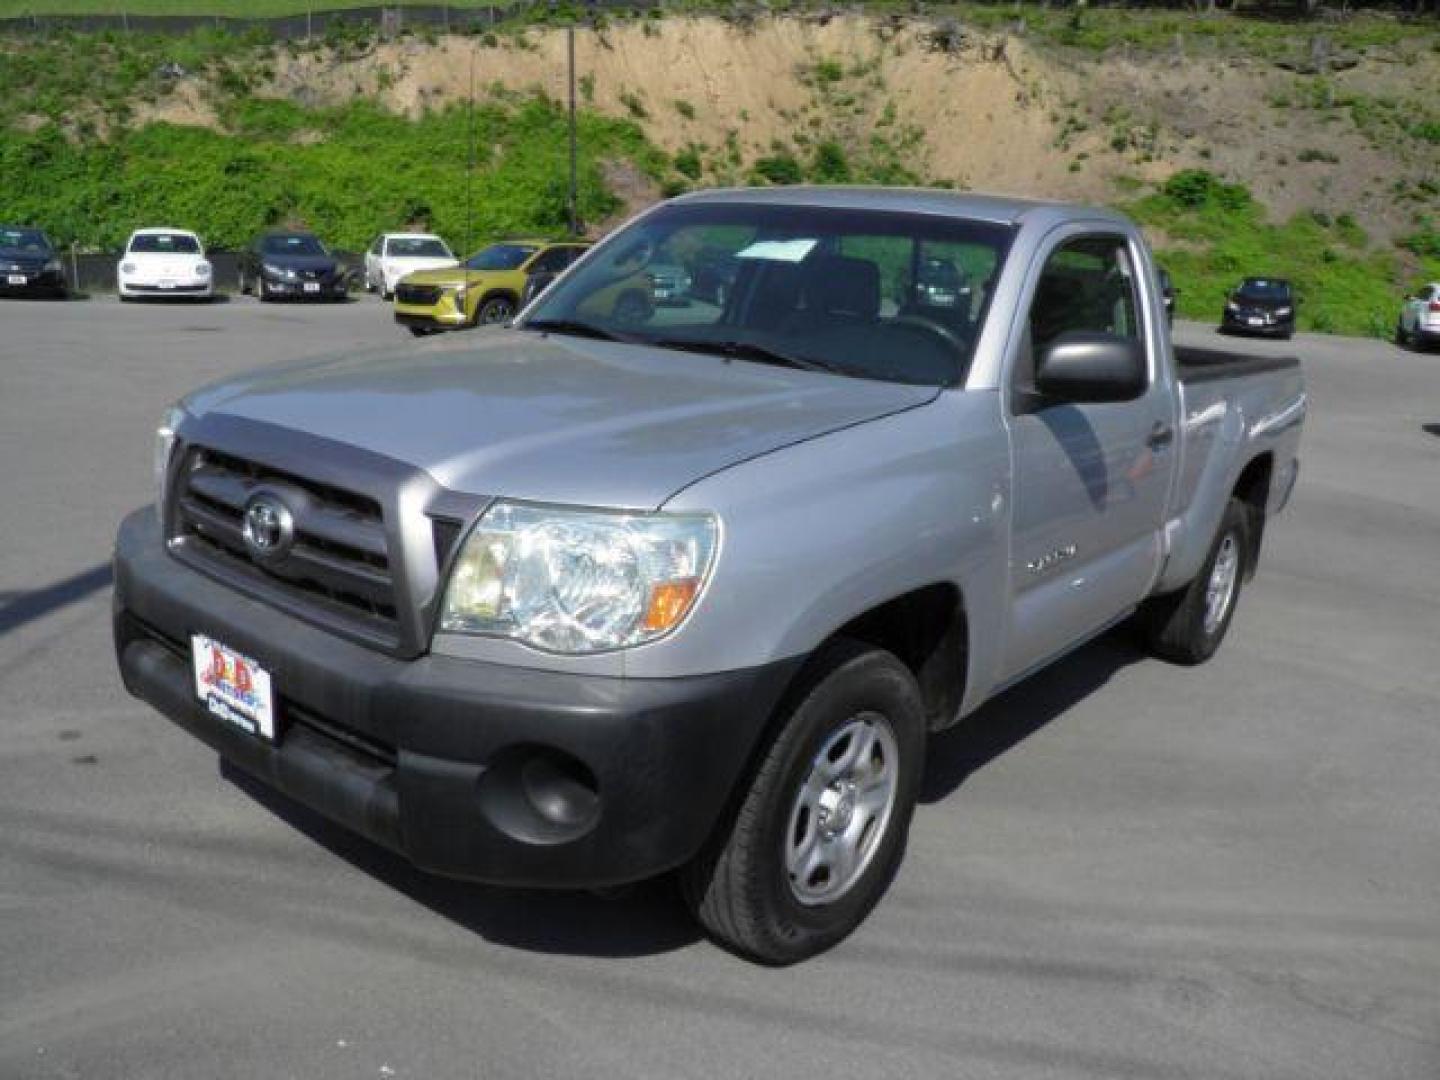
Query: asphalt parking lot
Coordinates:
[1121,868]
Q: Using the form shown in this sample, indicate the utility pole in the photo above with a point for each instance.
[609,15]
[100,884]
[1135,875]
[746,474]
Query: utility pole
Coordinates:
[470,160]
[574,211]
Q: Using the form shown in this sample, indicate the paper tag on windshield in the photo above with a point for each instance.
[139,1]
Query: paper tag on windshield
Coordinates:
[791,251]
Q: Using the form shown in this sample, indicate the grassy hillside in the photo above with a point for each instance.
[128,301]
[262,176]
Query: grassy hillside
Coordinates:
[370,171]
[239,9]
[1238,149]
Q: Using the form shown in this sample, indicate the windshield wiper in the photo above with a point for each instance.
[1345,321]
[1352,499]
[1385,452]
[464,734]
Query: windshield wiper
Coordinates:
[575,328]
[749,350]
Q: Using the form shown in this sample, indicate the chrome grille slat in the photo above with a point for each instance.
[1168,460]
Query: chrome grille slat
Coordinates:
[339,563]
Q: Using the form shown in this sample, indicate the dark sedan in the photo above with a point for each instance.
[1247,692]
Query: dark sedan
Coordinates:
[292,266]
[1260,306]
[29,264]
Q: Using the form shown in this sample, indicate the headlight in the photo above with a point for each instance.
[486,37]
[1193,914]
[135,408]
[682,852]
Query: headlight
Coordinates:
[54,266]
[460,294]
[578,581]
[277,271]
[1282,313]
[164,445]
[1230,305]
[202,269]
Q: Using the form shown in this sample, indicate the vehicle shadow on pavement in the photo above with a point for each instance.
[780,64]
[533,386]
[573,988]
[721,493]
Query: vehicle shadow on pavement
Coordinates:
[640,920]
[1431,429]
[20,608]
[1008,720]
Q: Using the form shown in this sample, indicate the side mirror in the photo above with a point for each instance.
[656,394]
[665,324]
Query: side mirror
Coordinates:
[1084,366]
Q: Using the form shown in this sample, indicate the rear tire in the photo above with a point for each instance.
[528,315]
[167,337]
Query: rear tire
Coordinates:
[821,830]
[1186,627]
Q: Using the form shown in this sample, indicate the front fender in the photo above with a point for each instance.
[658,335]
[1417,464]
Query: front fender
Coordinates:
[821,532]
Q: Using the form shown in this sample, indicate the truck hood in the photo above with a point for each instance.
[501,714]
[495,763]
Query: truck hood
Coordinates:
[555,419]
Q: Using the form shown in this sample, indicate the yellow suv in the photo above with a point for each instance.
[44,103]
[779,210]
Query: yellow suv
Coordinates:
[486,288]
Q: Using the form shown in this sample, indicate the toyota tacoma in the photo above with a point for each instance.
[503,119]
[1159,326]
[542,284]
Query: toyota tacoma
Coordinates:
[616,591]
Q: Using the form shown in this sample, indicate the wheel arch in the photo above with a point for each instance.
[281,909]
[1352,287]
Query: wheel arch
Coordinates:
[928,631]
[1252,489]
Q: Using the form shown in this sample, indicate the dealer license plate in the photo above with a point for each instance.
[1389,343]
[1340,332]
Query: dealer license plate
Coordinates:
[16,279]
[233,687]
[312,286]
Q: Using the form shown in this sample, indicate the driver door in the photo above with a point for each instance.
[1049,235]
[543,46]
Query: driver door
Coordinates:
[1091,480]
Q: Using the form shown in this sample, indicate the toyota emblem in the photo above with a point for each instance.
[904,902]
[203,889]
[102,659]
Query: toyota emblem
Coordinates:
[268,528]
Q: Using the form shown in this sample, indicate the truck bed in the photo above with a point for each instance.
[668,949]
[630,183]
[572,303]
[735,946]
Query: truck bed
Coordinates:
[1197,364]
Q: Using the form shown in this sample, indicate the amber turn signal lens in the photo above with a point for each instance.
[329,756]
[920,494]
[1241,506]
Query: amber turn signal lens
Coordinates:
[669,602]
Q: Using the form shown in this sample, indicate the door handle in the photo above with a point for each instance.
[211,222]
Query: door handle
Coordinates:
[1162,434]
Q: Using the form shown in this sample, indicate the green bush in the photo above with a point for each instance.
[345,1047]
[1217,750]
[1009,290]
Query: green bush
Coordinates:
[687,162]
[1424,242]
[830,165]
[779,168]
[370,170]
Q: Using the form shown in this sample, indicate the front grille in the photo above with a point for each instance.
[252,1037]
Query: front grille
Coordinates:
[338,564]
[423,295]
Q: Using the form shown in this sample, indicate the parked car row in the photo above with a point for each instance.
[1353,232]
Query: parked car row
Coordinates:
[433,290]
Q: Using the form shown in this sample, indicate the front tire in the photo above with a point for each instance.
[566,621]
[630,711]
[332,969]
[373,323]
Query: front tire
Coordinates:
[1401,337]
[819,834]
[1186,627]
[495,310]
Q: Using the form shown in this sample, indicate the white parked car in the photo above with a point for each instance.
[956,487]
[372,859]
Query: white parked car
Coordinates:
[1419,322]
[394,255]
[165,263]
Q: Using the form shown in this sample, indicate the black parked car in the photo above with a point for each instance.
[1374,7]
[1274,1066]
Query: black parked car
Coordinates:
[29,264]
[1260,306]
[292,266]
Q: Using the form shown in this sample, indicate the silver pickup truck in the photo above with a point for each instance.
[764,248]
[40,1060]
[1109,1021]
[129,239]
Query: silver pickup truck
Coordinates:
[625,589]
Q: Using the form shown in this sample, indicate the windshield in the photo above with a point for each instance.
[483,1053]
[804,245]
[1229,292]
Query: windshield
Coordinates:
[500,257]
[292,245]
[169,243]
[872,294]
[1263,289]
[417,247]
[24,240]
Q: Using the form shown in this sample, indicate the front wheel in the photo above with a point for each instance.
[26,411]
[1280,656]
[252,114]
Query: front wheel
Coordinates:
[1401,337]
[1187,626]
[821,830]
[495,310]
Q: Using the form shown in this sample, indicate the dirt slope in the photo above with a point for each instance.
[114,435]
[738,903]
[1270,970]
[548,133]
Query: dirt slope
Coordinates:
[990,112]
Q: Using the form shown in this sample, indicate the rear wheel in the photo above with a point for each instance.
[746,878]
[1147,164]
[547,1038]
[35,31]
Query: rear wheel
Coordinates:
[1186,627]
[821,830]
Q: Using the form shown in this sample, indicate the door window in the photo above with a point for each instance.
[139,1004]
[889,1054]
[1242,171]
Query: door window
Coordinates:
[551,262]
[1088,284]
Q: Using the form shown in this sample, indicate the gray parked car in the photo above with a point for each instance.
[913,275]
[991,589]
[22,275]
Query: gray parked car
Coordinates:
[592,598]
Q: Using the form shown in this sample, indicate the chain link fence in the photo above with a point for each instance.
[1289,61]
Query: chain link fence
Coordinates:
[386,21]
